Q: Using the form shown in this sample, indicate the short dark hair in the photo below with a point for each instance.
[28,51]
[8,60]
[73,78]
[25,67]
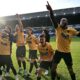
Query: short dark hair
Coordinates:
[42,36]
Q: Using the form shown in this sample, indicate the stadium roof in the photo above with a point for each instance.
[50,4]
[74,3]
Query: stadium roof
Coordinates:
[68,11]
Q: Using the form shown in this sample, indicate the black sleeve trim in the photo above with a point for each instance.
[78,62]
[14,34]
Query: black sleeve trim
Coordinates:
[53,19]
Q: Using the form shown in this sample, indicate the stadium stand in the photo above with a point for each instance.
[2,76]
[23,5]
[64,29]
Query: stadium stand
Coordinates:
[39,19]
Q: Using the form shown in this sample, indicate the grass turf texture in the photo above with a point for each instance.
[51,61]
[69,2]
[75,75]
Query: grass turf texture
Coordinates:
[62,69]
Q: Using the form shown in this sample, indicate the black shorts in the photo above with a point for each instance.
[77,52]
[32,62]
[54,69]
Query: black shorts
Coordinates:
[65,56]
[33,54]
[46,64]
[5,60]
[21,51]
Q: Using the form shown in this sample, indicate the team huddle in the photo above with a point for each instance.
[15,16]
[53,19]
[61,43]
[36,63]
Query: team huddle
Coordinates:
[48,58]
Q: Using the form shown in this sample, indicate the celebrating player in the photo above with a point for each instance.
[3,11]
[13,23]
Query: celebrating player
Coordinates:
[5,51]
[21,49]
[63,40]
[46,56]
[32,42]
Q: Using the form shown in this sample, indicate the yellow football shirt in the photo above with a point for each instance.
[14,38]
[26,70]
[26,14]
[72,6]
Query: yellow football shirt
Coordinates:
[20,41]
[63,45]
[46,52]
[4,45]
[32,42]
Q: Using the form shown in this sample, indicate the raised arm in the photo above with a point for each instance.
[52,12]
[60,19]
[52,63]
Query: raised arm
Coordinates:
[19,21]
[52,15]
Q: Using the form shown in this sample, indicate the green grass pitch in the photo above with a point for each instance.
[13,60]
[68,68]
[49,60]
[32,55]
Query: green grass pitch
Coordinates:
[62,69]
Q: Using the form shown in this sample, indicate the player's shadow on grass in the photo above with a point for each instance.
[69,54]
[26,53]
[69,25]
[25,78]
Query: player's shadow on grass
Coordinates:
[8,78]
[62,77]
[59,75]
[27,78]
